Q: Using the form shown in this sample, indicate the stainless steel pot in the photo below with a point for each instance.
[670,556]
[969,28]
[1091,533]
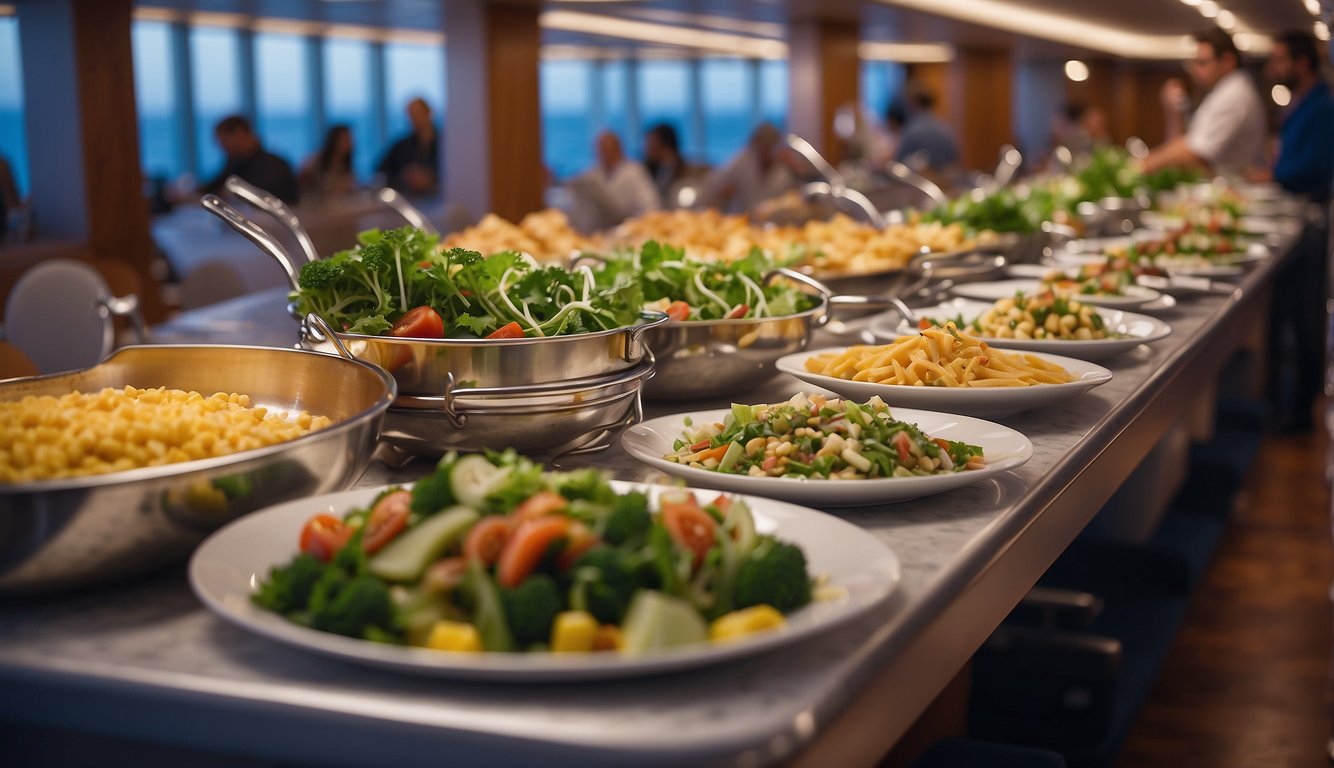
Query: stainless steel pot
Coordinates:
[60,534]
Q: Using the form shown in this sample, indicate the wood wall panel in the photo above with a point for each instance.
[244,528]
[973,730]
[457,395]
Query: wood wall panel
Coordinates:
[979,103]
[824,72]
[515,118]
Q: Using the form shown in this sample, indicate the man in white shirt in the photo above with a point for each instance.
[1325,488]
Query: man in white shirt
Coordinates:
[1227,132]
[755,174]
[614,189]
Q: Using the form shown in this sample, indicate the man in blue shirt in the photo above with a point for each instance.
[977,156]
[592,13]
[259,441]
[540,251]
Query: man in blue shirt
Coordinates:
[1304,166]
[926,138]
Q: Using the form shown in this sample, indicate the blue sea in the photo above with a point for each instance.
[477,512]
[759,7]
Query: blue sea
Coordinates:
[567,138]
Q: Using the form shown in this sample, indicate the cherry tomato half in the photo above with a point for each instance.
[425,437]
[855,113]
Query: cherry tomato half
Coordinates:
[690,527]
[678,310]
[387,520]
[419,323]
[510,330]
[323,536]
[486,539]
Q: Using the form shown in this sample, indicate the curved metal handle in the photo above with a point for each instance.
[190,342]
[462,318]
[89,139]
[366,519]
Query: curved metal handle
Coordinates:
[652,319]
[318,330]
[410,213]
[877,301]
[826,293]
[817,161]
[267,202]
[861,201]
[912,178]
[252,232]
[1008,167]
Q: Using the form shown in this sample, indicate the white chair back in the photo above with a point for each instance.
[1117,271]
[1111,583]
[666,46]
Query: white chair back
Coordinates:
[57,315]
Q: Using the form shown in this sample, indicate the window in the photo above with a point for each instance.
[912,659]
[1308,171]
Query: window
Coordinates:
[665,96]
[348,99]
[614,82]
[728,86]
[881,85]
[215,67]
[286,123]
[773,92]
[567,116]
[413,70]
[13,142]
[155,95]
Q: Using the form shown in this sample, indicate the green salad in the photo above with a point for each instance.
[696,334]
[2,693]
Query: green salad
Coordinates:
[397,282]
[828,439]
[696,289]
[491,553]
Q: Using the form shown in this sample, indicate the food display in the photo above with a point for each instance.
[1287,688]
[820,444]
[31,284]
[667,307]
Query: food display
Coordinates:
[1106,278]
[398,283]
[822,438]
[113,430]
[491,553]
[545,235]
[1007,210]
[689,288]
[1183,249]
[937,357]
[1046,315]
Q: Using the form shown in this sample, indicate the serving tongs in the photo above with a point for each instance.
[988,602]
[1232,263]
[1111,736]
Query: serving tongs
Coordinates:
[832,184]
[403,207]
[254,233]
[270,204]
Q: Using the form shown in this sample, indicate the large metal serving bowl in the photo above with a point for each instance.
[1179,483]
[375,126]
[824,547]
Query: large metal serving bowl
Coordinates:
[68,533]
[426,367]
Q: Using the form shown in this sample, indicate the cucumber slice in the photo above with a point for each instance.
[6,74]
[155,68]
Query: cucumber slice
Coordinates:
[656,621]
[743,414]
[406,557]
[473,477]
[488,615]
[729,459]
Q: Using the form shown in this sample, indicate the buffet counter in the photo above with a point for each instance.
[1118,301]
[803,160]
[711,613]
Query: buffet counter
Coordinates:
[147,661]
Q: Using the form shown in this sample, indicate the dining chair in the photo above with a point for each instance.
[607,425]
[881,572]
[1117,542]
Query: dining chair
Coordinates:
[61,315]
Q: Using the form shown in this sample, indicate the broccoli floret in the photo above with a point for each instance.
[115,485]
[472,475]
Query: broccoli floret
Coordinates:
[354,607]
[629,518]
[531,608]
[432,493]
[319,274]
[590,484]
[774,574]
[376,257]
[605,579]
[288,587]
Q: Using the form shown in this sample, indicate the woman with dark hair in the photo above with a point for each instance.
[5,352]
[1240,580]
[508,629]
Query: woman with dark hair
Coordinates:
[329,172]
[662,157]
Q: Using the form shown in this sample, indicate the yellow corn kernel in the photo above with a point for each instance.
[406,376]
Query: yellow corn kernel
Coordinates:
[573,632]
[745,622]
[454,636]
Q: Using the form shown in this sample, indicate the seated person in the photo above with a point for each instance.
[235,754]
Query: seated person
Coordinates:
[614,189]
[247,158]
[412,164]
[757,173]
[328,174]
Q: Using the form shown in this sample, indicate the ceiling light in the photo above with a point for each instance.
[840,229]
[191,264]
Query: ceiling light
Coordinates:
[1046,25]
[1226,20]
[1281,95]
[1208,9]
[1191,2]
[1077,70]
[1313,7]
[663,34]
[1321,30]
[1242,41]
[907,53]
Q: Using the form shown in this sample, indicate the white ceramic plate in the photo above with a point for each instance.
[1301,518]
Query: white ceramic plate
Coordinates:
[1003,448]
[987,402]
[1134,296]
[226,566]
[1139,329]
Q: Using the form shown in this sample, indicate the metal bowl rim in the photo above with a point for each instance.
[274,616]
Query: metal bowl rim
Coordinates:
[162,471]
[643,325]
[724,322]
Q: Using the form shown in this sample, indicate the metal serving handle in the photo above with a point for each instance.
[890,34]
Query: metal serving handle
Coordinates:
[902,173]
[1008,167]
[267,202]
[861,201]
[410,213]
[832,299]
[252,232]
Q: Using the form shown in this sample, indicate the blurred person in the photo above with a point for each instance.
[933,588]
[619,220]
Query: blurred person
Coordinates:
[925,138]
[9,196]
[1305,162]
[1082,128]
[328,173]
[411,165]
[662,158]
[1227,132]
[758,172]
[247,158]
[614,189]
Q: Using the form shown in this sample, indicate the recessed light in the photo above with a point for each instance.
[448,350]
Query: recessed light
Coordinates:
[1076,70]
[1281,95]
[1321,30]
[1226,19]
[1208,9]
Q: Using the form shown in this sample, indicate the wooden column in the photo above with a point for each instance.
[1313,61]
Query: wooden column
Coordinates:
[83,137]
[978,103]
[823,73]
[493,142]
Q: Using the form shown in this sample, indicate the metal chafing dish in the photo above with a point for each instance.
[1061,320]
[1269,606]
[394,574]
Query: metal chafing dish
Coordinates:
[66,533]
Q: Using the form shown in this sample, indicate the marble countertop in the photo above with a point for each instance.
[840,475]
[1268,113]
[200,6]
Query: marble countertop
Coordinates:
[148,661]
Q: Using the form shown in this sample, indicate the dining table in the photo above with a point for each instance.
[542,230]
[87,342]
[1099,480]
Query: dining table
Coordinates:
[146,660]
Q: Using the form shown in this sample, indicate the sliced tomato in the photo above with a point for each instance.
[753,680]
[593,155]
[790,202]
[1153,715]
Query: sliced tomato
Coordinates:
[525,548]
[690,527]
[487,539]
[924,324]
[387,520]
[738,312]
[507,331]
[324,535]
[678,310]
[722,503]
[580,539]
[701,445]
[903,446]
[419,323]
[444,576]
[538,505]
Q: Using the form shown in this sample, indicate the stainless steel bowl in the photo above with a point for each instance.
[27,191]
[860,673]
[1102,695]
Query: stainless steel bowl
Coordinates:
[555,418]
[61,534]
[428,367]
